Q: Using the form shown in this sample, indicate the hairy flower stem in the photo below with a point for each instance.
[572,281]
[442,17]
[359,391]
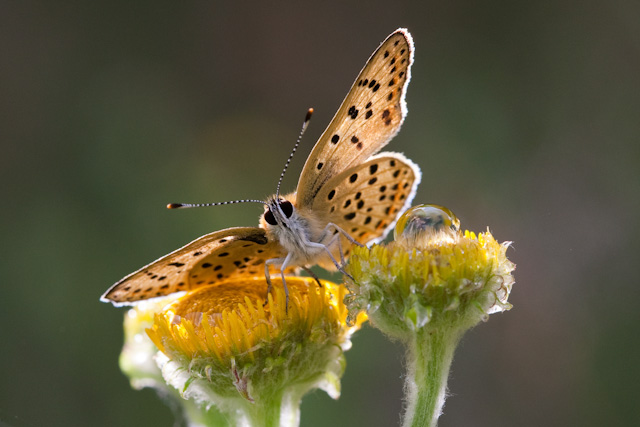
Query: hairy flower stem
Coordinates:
[265,414]
[279,409]
[198,416]
[430,354]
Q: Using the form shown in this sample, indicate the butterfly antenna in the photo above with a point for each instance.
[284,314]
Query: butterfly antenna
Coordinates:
[295,147]
[200,205]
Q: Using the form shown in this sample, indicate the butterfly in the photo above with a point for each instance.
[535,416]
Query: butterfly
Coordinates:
[347,194]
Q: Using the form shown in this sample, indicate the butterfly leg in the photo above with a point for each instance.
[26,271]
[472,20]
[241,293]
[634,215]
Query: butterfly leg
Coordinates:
[343,262]
[336,231]
[267,263]
[312,274]
[336,239]
[326,249]
[282,262]
[283,267]
[344,233]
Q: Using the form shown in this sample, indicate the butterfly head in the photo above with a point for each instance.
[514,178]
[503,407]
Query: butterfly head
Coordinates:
[278,211]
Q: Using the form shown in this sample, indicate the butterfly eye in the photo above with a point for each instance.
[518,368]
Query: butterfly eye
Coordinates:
[268,216]
[287,208]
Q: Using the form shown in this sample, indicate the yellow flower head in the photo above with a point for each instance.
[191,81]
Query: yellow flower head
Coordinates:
[223,342]
[432,275]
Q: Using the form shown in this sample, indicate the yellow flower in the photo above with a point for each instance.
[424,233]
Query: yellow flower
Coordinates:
[223,345]
[426,289]
[431,274]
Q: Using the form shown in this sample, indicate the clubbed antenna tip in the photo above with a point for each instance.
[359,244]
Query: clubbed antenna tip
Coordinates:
[201,205]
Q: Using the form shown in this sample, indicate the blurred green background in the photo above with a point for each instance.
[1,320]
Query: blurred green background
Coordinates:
[524,116]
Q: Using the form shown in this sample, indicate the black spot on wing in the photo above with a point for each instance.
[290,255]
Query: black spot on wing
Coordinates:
[260,239]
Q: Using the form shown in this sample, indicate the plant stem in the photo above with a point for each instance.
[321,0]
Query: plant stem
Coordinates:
[428,362]
[199,416]
[272,413]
